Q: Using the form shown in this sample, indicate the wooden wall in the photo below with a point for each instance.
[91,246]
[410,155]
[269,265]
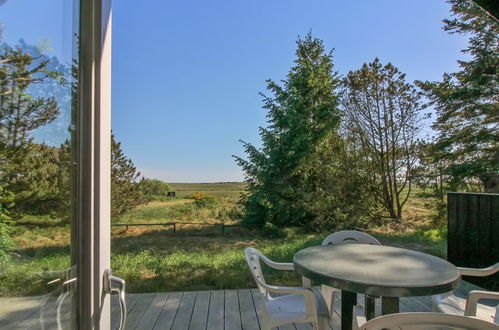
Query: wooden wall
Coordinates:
[473,231]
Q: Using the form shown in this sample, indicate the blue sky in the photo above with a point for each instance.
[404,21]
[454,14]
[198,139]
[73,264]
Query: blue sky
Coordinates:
[187,73]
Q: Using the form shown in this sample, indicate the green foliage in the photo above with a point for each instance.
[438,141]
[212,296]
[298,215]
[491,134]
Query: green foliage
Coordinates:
[42,183]
[29,170]
[156,189]
[302,113]
[6,202]
[206,201]
[271,231]
[31,277]
[466,103]
[126,191]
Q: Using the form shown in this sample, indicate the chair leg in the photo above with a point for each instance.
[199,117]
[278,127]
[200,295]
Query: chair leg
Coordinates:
[322,323]
[329,293]
[266,323]
[306,282]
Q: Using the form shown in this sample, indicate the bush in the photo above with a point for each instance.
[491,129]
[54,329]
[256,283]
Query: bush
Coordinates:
[6,199]
[272,231]
[156,189]
[206,201]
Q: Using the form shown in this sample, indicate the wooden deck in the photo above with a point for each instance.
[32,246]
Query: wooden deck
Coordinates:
[194,310]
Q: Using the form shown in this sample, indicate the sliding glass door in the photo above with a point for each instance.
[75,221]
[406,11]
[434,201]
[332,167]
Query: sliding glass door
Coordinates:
[54,164]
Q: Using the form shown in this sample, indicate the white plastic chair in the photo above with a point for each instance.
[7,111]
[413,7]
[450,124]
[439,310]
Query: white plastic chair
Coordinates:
[339,238]
[458,303]
[418,321]
[284,305]
[349,237]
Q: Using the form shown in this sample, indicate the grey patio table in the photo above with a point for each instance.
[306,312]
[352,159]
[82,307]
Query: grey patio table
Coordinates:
[384,271]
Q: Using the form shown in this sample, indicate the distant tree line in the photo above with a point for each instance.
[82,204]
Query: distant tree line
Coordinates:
[346,151]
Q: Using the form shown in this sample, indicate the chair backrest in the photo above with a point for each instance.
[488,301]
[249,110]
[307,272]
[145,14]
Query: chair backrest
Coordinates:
[413,321]
[350,237]
[253,259]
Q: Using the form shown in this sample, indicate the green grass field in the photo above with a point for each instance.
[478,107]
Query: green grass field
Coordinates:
[154,258]
[223,189]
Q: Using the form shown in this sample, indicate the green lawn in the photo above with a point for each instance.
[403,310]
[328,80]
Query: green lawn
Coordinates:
[194,258]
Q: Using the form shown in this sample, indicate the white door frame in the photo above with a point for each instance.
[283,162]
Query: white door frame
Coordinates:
[93,189]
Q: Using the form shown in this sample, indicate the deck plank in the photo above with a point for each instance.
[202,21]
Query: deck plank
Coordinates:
[151,315]
[18,313]
[216,311]
[135,314]
[302,326]
[249,319]
[131,300]
[232,317]
[208,310]
[167,315]
[184,312]
[257,301]
[199,317]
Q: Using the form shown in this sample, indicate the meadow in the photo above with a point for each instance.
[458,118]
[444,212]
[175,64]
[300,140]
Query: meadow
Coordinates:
[154,258]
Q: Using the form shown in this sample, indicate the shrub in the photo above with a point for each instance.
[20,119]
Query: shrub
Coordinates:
[6,202]
[156,189]
[206,201]
[272,231]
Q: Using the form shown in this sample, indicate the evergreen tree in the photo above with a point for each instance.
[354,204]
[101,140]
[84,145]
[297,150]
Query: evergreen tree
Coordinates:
[467,102]
[154,188]
[126,190]
[302,114]
[26,168]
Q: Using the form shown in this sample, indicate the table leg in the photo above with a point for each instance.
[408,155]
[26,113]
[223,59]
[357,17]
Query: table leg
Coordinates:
[369,303]
[389,305]
[348,300]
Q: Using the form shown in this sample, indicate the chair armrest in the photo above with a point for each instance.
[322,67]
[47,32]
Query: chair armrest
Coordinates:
[359,318]
[310,304]
[480,272]
[277,265]
[473,298]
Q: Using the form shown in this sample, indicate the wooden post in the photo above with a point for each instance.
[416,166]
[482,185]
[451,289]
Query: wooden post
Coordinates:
[223,229]
[174,228]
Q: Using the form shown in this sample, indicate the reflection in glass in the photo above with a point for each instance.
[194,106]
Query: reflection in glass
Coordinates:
[38,75]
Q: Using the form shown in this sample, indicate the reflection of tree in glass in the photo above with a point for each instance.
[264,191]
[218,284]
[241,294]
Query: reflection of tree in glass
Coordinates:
[27,169]
[20,112]
[55,132]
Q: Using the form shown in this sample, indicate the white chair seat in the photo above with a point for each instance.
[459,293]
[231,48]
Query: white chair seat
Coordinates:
[292,306]
[283,304]
[455,303]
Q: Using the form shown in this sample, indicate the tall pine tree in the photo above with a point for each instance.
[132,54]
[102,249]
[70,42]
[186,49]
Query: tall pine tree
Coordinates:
[127,190]
[467,102]
[302,113]
[25,167]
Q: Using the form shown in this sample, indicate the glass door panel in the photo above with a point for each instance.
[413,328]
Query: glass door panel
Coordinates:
[38,163]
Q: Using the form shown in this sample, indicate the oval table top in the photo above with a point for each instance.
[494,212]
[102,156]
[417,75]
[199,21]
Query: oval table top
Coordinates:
[377,270]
